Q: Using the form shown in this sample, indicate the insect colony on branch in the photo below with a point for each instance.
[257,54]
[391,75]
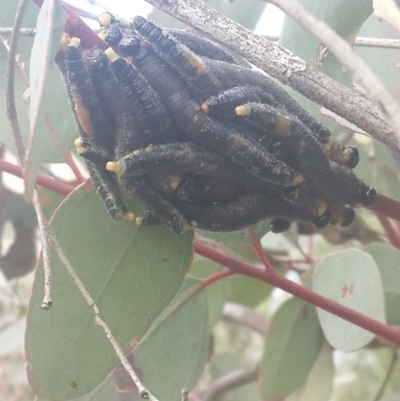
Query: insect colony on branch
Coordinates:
[197,139]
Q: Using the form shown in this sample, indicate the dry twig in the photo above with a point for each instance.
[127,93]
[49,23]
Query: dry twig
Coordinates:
[231,381]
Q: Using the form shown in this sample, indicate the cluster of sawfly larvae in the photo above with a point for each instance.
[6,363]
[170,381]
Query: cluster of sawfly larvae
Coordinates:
[199,140]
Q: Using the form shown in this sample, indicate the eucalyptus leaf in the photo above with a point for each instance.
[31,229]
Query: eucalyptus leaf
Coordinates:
[346,19]
[216,292]
[164,364]
[132,274]
[387,259]
[291,349]
[319,383]
[352,279]
[49,30]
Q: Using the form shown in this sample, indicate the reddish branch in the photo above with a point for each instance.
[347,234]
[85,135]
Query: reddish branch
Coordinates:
[390,231]
[53,185]
[259,250]
[387,206]
[237,266]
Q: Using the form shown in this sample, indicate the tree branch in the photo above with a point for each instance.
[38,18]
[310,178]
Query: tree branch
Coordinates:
[231,381]
[236,266]
[13,120]
[45,182]
[360,41]
[342,50]
[22,31]
[287,68]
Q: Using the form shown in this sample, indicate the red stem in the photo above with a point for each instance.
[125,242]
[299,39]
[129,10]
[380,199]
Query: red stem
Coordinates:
[212,279]
[392,235]
[53,185]
[271,277]
[260,251]
[387,206]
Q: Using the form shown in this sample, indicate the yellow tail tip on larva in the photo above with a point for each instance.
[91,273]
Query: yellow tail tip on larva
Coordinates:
[106,19]
[205,108]
[75,42]
[174,181]
[298,179]
[327,145]
[188,225]
[79,146]
[78,143]
[110,53]
[244,110]
[195,61]
[139,221]
[130,216]
[113,166]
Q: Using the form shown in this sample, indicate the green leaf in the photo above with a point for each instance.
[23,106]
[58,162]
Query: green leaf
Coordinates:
[352,279]
[165,365]
[247,290]
[343,16]
[346,19]
[216,292]
[319,383]
[291,349]
[132,274]
[174,354]
[49,30]
[54,102]
[8,10]
[383,62]
[387,259]
[245,12]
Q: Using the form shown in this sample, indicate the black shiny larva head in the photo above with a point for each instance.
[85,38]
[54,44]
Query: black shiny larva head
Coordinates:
[139,22]
[348,217]
[354,157]
[279,225]
[324,220]
[113,35]
[98,59]
[370,198]
[129,46]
